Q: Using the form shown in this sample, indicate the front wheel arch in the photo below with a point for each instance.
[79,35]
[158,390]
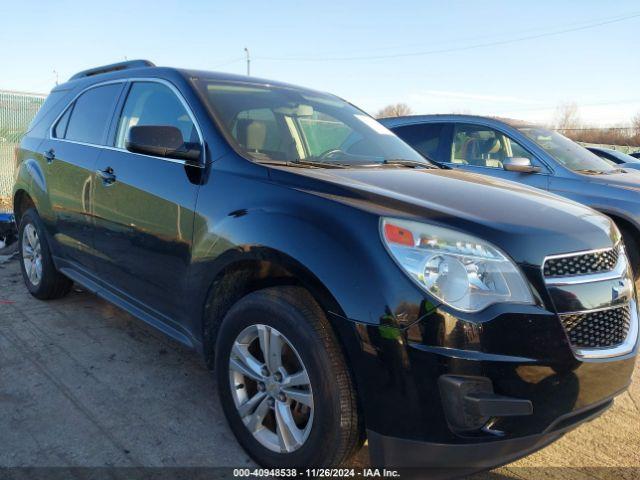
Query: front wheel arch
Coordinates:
[245,273]
[630,233]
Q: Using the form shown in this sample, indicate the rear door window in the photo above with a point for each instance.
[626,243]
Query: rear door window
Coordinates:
[91,114]
[425,138]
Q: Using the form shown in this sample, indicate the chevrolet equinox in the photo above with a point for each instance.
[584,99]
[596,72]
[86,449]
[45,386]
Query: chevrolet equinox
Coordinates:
[341,287]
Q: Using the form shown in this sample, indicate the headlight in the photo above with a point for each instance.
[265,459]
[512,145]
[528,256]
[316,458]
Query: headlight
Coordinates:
[462,271]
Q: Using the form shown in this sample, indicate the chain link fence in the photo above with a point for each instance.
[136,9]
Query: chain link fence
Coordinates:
[17,109]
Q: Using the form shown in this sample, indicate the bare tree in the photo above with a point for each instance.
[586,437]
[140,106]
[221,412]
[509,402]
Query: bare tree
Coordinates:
[635,125]
[395,110]
[567,117]
[567,121]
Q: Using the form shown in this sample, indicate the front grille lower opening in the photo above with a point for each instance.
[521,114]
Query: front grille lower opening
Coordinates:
[598,329]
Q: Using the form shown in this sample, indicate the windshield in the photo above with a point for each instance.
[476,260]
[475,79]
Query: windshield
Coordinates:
[567,152]
[283,124]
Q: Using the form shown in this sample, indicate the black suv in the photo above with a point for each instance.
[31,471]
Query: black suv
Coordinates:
[344,287]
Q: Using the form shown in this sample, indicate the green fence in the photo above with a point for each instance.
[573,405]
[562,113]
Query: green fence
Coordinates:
[17,109]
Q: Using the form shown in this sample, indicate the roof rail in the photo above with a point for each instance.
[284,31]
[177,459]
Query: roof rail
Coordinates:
[114,67]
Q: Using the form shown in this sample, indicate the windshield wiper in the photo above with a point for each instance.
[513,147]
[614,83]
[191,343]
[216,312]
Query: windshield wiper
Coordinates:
[408,163]
[590,171]
[311,163]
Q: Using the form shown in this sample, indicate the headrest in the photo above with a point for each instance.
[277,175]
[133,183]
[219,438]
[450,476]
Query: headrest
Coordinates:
[491,145]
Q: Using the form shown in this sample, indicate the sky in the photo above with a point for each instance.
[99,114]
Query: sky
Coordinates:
[509,58]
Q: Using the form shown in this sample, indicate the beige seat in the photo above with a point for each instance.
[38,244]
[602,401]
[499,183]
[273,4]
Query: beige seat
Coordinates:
[492,146]
[256,136]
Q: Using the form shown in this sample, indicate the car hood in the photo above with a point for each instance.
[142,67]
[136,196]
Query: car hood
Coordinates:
[527,223]
[630,178]
[631,165]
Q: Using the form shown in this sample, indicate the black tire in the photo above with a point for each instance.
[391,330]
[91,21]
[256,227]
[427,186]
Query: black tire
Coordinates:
[335,434]
[52,284]
[631,246]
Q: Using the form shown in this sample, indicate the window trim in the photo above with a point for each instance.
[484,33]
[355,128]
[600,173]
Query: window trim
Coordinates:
[117,111]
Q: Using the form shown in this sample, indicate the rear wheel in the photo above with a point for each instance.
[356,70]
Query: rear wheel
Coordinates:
[38,270]
[283,381]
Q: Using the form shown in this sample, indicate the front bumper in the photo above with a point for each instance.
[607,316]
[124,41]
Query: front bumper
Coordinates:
[523,351]
[448,460]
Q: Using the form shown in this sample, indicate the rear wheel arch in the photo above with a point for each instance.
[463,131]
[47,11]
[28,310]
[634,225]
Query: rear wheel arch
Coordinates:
[22,201]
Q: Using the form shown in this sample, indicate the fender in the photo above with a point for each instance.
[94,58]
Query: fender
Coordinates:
[295,241]
[622,214]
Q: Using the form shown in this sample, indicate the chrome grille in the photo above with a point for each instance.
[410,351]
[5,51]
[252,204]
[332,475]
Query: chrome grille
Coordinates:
[597,329]
[581,264]
[594,297]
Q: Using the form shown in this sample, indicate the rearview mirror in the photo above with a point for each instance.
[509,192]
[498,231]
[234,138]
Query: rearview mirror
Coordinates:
[519,164]
[161,141]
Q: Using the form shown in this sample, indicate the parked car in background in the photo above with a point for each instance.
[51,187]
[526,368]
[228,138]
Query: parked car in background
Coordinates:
[532,155]
[7,230]
[615,157]
[343,286]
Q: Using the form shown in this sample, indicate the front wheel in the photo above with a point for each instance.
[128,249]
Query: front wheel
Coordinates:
[283,381]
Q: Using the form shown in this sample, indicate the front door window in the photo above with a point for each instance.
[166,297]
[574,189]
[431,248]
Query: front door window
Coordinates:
[484,147]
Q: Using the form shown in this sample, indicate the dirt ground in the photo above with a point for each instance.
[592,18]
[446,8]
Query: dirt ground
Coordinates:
[84,384]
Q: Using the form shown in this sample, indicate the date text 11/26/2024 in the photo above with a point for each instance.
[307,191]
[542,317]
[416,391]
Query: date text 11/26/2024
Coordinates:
[316,473]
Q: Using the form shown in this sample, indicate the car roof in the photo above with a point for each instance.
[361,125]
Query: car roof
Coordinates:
[392,122]
[171,72]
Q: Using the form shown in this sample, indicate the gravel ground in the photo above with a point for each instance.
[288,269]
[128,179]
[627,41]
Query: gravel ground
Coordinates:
[84,384]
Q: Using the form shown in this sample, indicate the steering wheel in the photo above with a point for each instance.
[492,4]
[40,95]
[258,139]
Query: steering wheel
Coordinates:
[329,154]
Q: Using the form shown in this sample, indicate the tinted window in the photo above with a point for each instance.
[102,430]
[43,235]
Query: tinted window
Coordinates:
[483,146]
[619,157]
[424,138]
[61,127]
[91,114]
[151,103]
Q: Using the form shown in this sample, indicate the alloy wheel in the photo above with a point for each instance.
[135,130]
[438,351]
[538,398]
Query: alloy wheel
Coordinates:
[271,389]
[32,254]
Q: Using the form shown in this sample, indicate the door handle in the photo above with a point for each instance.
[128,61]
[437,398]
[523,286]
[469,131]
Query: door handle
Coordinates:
[49,155]
[107,176]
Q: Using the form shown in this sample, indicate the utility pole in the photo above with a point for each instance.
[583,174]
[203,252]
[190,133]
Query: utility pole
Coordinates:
[248,61]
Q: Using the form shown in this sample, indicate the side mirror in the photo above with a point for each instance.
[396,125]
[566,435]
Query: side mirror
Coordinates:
[519,164]
[161,141]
